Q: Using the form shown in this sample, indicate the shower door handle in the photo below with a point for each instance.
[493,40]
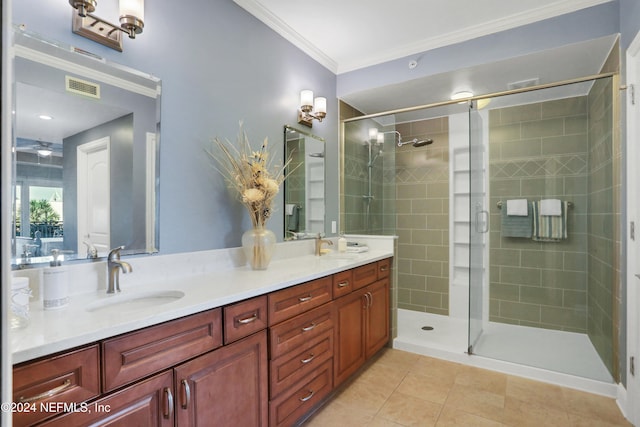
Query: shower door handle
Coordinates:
[482,226]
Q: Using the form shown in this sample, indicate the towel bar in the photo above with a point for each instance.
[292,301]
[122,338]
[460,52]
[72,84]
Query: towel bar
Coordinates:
[499,204]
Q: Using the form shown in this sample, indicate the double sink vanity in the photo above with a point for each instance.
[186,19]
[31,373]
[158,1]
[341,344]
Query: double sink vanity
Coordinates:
[195,339]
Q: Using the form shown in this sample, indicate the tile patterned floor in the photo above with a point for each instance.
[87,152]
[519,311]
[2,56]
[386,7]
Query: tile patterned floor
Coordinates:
[406,389]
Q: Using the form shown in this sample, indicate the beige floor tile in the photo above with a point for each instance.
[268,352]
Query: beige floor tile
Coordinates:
[410,411]
[535,392]
[335,413]
[400,359]
[518,413]
[436,368]
[379,422]
[476,401]
[482,379]
[593,407]
[383,375]
[452,417]
[427,388]
[584,421]
[364,396]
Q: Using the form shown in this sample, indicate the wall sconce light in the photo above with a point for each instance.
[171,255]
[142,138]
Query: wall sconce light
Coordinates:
[99,30]
[311,108]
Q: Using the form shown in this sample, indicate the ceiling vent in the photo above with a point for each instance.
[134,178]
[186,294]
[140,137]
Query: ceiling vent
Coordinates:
[82,87]
[524,83]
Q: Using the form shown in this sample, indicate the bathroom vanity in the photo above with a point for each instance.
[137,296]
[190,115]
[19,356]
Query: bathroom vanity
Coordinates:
[266,353]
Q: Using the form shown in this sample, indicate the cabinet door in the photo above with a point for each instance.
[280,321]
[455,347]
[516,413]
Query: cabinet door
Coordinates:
[226,387]
[148,403]
[377,328]
[349,353]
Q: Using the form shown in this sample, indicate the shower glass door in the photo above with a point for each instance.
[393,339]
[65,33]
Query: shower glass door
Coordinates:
[479,225]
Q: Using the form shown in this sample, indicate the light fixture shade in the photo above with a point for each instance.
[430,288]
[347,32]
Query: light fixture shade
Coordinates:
[373,134]
[306,99]
[132,8]
[44,152]
[320,105]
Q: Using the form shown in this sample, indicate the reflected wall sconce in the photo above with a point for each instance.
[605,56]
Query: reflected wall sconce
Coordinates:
[311,108]
[99,30]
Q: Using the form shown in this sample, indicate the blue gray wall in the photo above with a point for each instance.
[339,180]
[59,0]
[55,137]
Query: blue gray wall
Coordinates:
[223,67]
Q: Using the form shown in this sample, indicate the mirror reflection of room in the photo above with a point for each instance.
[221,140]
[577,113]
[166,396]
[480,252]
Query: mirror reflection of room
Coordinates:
[305,185]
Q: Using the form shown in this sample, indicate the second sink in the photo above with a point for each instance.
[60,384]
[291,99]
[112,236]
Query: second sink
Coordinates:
[134,301]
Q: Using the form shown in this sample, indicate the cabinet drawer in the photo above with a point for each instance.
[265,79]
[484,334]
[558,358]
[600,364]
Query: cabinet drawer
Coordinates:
[244,318]
[148,403]
[384,268]
[342,283]
[293,366]
[287,409]
[292,301]
[135,355]
[70,377]
[365,275]
[294,333]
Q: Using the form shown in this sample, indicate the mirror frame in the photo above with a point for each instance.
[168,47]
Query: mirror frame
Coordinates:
[74,61]
[305,234]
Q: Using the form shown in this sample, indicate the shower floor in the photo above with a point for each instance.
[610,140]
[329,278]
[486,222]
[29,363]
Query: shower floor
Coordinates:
[517,346]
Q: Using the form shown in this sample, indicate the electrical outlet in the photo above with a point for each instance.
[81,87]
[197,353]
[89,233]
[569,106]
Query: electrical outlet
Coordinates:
[334,227]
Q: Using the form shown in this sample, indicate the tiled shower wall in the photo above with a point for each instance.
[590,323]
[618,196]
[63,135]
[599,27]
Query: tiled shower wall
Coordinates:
[422,208]
[540,151]
[602,222]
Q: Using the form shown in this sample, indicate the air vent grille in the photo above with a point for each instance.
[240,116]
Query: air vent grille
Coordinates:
[82,87]
[523,83]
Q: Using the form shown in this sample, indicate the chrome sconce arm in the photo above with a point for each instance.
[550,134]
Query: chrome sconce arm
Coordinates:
[88,25]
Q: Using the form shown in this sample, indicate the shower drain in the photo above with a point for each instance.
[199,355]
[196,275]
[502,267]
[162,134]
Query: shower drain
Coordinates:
[427,328]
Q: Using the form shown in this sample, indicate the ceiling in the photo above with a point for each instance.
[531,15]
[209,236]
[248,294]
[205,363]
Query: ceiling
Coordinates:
[348,35]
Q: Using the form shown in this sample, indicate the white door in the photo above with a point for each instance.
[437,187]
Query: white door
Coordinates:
[633,242]
[93,195]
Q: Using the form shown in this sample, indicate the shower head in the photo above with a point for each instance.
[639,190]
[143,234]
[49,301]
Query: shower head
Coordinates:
[415,142]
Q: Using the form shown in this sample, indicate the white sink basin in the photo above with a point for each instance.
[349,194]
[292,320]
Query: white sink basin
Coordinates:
[134,301]
[340,255]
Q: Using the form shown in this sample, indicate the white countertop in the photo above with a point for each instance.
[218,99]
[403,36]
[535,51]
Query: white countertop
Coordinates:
[51,331]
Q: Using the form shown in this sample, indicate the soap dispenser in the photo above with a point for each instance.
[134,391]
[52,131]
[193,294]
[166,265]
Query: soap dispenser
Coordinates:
[55,284]
[342,244]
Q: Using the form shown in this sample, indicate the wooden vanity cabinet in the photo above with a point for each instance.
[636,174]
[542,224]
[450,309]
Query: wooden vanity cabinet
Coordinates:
[362,320]
[147,403]
[72,377]
[227,387]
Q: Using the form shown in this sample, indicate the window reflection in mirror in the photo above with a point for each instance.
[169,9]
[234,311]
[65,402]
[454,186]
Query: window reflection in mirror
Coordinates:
[304,188]
[85,154]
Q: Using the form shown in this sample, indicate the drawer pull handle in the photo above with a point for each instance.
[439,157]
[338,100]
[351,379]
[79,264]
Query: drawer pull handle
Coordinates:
[383,268]
[248,319]
[303,299]
[168,412]
[308,359]
[308,328]
[307,397]
[47,393]
[187,394]
[343,284]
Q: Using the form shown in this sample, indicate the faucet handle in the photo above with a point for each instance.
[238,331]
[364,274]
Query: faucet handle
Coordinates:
[115,253]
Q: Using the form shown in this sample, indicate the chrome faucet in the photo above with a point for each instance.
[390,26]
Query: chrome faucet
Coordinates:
[114,265]
[319,242]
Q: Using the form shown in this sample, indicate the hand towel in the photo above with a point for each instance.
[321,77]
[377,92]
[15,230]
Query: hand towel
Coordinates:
[550,207]
[289,207]
[517,207]
[550,228]
[516,226]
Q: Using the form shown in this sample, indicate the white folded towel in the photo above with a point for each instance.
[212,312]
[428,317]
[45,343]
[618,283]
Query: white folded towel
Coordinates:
[517,207]
[289,207]
[550,207]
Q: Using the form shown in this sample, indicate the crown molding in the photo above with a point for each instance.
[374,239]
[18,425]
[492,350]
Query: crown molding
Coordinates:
[562,7]
[279,26]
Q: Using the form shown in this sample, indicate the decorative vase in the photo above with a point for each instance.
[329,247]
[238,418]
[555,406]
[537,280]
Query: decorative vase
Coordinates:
[258,244]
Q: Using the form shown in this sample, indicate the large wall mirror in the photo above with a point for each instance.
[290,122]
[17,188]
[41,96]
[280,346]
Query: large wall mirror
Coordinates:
[304,188]
[86,144]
